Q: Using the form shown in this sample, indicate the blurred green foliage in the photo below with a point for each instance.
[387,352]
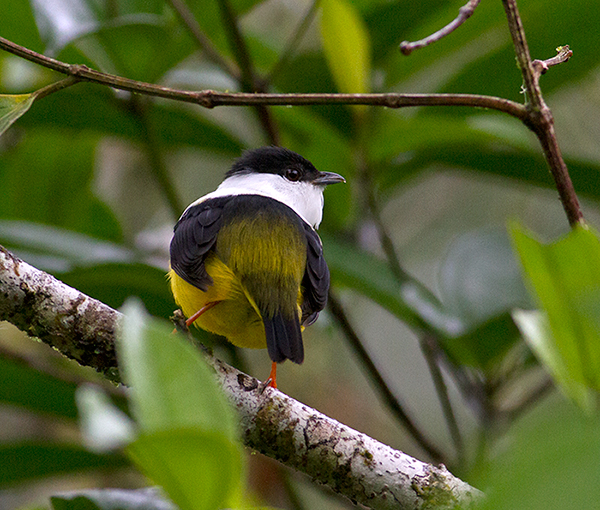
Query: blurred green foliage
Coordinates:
[88,177]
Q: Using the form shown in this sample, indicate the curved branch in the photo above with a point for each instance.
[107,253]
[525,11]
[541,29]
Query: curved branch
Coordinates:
[211,98]
[347,461]
[464,13]
[539,118]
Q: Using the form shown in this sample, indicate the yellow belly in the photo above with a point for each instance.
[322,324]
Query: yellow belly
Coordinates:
[235,317]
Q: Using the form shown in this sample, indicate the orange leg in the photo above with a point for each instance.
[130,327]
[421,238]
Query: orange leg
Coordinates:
[272,380]
[205,308]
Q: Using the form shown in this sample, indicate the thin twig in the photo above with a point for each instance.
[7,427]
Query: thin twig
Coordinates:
[155,157]
[212,99]
[531,399]
[55,87]
[294,41]
[464,13]
[539,118]
[540,67]
[431,353]
[212,53]
[429,343]
[388,396]
[248,82]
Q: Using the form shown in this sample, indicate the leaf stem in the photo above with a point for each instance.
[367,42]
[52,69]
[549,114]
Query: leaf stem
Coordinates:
[187,18]
[248,82]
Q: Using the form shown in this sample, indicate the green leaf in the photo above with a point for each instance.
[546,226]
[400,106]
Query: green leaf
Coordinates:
[148,498]
[95,110]
[480,277]
[483,346]
[20,462]
[536,331]
[346,45]
[138,47]
[17,24]
[505,161]
[113,283]
[172,386]
[200,470]
[408,300]
[24,386]
[57,249]
[12,107]
[549,461]
[565,278]
[46,178]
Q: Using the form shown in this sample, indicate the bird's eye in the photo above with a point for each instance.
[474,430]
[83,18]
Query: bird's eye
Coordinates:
[293,174]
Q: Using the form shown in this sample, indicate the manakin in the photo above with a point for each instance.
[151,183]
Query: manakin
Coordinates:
[246,261]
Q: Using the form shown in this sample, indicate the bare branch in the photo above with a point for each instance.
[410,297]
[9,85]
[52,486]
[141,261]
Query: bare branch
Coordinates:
[349,462]
[213,54]
[539,118]
[212,99]
[294,41]
[464,13]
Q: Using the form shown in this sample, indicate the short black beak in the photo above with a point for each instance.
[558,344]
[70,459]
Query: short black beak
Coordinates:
[325,178]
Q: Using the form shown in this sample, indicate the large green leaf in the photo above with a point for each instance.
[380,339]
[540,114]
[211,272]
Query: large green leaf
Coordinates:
[21,462]
[97,110]
[189,436]
[17,24]
[408,300]
[46,179]
[493,159]
[346,45]
[27,387]
[565,279]
[141,47]
[549,462]
[200,470]
[12,107]
[59,249]
[150,356]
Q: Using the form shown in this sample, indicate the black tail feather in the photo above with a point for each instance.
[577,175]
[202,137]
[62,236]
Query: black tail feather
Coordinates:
[284,339]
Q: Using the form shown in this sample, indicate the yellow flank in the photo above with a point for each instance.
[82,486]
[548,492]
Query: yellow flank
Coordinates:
[236,317]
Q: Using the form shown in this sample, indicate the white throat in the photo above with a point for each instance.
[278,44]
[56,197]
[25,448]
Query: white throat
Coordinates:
[304,198]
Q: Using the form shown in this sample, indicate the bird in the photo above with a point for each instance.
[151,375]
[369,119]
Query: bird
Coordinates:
[246,261]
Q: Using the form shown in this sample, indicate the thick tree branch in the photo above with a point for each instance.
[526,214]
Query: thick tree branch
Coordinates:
[211,98]
[351,463]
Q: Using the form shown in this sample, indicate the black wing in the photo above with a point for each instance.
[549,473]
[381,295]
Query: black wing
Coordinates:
[316,278]
[194,236]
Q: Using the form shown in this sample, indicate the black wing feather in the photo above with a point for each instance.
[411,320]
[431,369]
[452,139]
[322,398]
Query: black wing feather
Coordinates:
[316,278]
[194,236]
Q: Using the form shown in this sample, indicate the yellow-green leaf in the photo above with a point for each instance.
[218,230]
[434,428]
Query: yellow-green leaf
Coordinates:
[565,278]
[347,45]
[12,107]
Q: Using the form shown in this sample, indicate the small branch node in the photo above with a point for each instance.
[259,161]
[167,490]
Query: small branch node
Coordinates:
[564,53]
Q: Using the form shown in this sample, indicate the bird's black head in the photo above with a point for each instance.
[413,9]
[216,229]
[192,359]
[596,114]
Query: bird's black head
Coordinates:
[280,161]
